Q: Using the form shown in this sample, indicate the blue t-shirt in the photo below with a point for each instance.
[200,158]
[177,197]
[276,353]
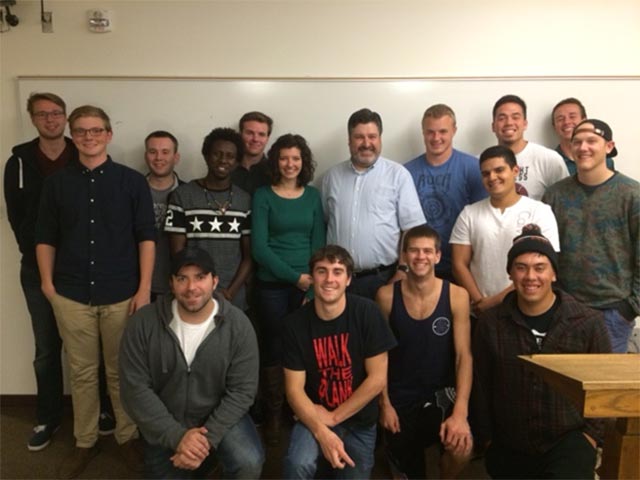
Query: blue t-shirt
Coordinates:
[444,190]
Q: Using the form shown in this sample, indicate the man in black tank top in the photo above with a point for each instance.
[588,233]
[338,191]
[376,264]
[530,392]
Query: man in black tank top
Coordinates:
[430,371]
[531,430]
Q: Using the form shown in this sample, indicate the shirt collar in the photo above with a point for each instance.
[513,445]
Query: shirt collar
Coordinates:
[363,172]
[102,168]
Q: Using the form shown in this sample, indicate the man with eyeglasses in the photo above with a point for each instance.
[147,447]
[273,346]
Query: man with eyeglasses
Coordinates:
[25,171]
[95,246]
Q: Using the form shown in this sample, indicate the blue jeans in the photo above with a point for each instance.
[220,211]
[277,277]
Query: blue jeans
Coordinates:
[275,301]
[47,363]
[619,328]
[305,453]
[240,453]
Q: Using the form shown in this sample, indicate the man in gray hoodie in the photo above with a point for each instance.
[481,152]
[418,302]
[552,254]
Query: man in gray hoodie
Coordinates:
[188,375]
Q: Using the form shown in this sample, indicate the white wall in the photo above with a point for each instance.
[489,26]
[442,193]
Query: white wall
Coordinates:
[297,38]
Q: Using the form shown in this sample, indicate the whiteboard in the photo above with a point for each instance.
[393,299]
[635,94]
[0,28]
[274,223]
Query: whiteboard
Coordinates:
[318,109]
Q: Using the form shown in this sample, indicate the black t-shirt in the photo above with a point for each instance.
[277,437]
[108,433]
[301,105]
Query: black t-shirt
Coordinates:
[333,352]
[539,324]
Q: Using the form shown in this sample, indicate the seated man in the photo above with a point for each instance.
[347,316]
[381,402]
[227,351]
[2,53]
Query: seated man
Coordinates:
[189,373]
[532,430]
[335,365]
[430,370]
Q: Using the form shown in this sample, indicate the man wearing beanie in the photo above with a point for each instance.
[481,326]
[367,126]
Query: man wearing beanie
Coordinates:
[532,431]
[598,214]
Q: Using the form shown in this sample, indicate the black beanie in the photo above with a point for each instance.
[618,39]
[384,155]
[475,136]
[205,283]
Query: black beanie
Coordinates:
[532,240]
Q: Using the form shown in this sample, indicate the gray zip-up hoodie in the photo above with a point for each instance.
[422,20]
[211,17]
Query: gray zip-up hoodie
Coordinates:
[165,397]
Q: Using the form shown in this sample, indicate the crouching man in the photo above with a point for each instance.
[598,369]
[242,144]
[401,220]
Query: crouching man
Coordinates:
[335,366]
[533,431]
[189,373]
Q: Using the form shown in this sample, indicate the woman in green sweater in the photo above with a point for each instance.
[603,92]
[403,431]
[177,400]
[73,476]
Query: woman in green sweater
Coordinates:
[287,227]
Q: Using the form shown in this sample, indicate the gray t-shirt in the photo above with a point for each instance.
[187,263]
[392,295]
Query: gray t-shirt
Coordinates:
[161,268]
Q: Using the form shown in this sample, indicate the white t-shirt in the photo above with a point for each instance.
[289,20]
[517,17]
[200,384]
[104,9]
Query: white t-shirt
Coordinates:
[540,167]
[490,233]
[190,335]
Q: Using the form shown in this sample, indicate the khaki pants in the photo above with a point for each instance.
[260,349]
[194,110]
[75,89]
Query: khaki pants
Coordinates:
[81,328]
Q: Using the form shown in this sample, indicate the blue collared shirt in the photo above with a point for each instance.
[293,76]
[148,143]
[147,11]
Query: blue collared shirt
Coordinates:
[95,219]
[367,211]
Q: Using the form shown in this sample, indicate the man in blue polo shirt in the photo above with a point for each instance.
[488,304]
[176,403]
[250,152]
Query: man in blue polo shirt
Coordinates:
[95,246]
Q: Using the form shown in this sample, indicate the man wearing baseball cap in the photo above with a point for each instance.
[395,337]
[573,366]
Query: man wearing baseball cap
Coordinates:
[189,373]
[598,215]
[531,430]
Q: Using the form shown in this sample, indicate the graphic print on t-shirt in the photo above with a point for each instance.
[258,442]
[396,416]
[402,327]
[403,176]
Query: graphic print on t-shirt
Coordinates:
[433,191]
[335,369]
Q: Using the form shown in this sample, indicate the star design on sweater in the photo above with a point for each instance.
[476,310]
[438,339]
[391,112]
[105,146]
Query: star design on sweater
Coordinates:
[234,226]
[215,225]
[195,223]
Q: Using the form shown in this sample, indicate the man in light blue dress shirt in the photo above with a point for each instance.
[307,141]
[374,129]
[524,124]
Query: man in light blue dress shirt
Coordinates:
[368,202]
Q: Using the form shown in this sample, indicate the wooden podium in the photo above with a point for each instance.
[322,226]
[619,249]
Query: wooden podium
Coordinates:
[601,385]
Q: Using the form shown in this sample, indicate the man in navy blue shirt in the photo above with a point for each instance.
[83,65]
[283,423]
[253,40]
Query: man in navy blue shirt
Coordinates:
[95,246]
[430,371]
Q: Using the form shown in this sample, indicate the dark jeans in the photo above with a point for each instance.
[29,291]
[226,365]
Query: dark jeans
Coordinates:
[274,302]
[47,363]
[240,453]
[572,457]
[368,285]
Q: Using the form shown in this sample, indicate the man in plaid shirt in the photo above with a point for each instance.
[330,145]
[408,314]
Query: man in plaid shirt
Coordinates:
[532,431]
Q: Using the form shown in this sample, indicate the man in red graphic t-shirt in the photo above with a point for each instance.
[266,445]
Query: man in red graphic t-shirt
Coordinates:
[335,365]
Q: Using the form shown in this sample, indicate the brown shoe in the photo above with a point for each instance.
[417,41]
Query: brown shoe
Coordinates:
[131,453]
[76,462]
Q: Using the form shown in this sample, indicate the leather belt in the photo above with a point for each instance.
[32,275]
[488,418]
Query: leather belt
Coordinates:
[373,271]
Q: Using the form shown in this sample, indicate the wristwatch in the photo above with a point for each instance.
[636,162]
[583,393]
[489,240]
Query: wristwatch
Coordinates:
[403,268]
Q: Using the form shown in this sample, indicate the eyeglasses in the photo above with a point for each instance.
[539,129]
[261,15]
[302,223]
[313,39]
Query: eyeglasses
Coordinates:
[46,115]
[81,132]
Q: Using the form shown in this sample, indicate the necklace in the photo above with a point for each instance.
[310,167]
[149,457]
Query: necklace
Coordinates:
[208,195]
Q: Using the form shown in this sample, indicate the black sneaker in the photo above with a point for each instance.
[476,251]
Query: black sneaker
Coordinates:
[41,437]
[106,424]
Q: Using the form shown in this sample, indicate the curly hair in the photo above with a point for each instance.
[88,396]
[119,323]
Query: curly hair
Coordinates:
[226,134]
[291,140]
